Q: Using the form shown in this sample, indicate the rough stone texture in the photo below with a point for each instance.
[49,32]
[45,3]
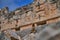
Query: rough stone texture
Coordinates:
[23,19]
[49,31]
[44,32]
[24,16]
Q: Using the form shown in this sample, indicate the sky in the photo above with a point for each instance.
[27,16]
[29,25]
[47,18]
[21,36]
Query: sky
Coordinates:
[13,4]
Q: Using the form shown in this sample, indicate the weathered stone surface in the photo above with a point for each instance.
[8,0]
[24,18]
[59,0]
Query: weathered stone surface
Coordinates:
[49,31]
[23,18]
